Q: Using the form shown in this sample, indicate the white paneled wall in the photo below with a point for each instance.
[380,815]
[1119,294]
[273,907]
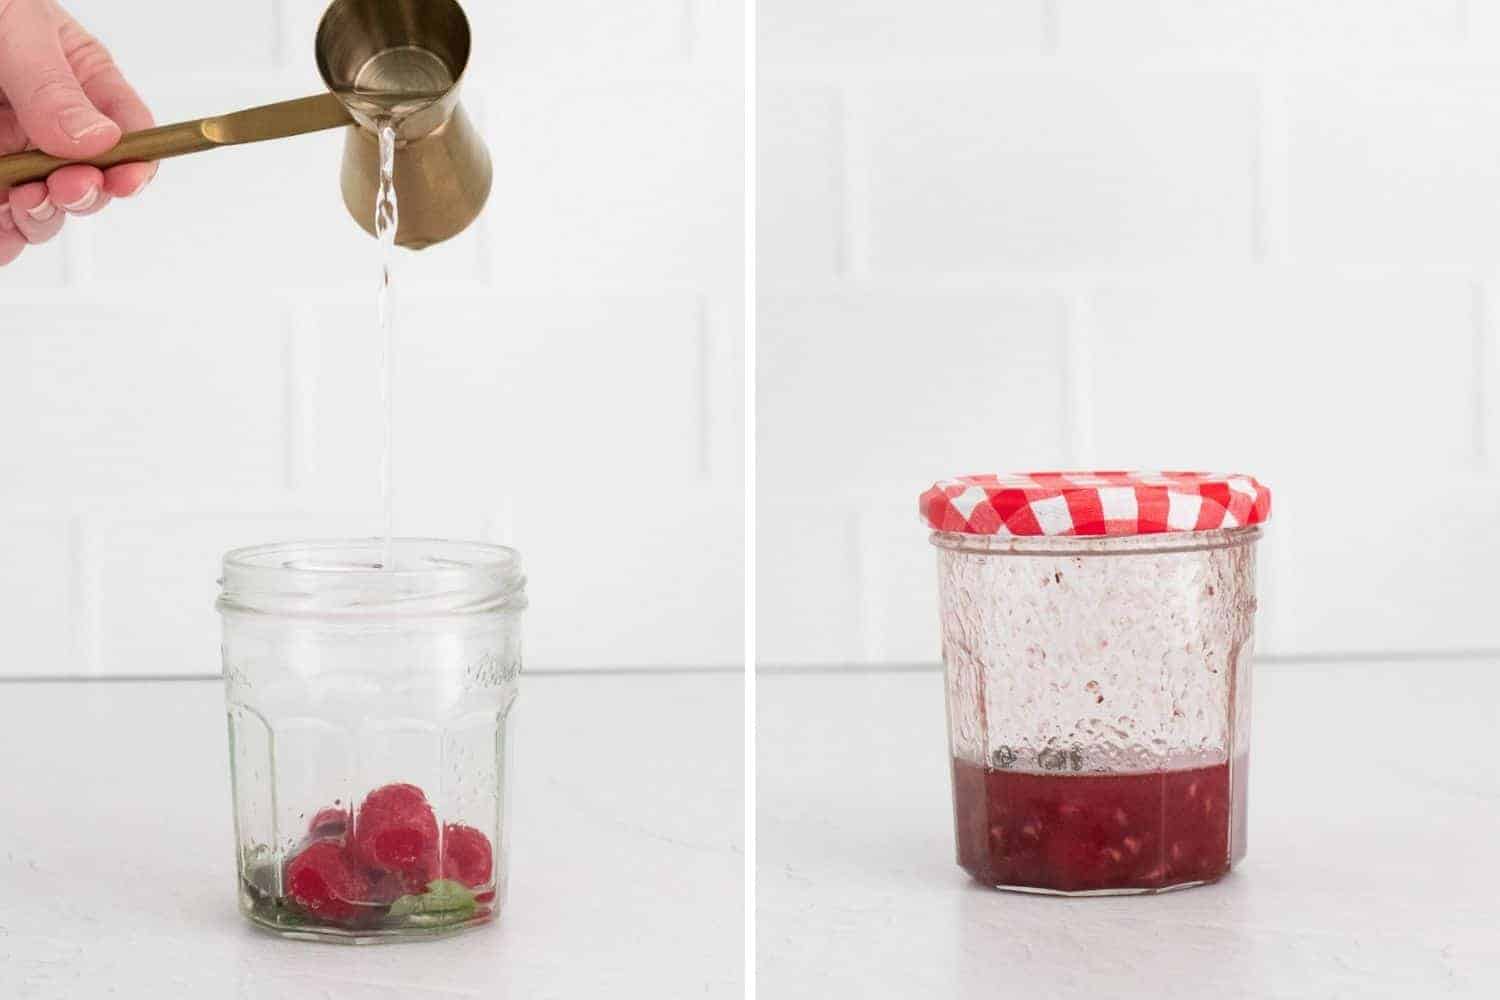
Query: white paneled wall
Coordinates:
[1197,233]
[196,369]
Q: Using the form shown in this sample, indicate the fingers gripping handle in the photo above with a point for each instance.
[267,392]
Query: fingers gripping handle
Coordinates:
[270,121]
[148,144]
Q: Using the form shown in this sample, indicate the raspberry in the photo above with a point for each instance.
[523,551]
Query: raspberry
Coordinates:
[322,883]
[467,856]
[328,823]
[396,832]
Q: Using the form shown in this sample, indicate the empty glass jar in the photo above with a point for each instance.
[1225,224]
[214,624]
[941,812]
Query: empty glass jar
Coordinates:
[369,733]
[1097,640]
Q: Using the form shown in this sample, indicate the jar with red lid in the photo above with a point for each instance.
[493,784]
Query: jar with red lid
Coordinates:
[1098,632]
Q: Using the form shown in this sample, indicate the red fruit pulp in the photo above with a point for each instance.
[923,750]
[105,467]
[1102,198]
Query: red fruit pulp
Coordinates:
[1071,832]
[395,831]
[322,883]
[467,856]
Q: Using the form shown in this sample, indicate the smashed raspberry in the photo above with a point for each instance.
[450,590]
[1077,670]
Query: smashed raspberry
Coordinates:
[322,883]
[467,856]
[328,823]
[396,832]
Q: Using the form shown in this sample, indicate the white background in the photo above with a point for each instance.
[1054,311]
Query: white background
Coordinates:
[1075,232]
[196,369]
[1247,237]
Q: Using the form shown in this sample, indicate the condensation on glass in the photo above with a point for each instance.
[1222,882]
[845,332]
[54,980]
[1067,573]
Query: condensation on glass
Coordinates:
[1098,696]
[369,730]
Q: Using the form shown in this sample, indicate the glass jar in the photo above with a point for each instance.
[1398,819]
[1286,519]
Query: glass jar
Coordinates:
[1098,631]
[369,733]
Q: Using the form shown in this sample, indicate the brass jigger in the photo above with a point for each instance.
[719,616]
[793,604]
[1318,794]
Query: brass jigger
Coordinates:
[399,61]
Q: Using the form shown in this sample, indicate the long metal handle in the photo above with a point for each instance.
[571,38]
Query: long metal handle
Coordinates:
[272,121]
[149,144]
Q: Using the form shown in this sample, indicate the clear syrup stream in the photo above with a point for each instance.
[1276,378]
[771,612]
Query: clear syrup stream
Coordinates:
[386,219]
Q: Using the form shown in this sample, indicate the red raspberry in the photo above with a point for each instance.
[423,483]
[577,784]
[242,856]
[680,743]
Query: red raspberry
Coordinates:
[467,856]
[322,883]
[328,823]
[395,831]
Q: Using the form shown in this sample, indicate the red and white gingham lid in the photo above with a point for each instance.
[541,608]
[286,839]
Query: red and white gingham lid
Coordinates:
[1094,503]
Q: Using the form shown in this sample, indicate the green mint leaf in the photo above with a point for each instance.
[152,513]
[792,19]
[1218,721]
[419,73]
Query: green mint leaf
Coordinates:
[444,898]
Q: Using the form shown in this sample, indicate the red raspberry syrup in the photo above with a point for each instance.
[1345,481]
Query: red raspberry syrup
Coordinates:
[1071,832]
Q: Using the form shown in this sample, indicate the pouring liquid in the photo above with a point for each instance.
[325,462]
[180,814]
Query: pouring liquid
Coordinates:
[387,217]
[392,85]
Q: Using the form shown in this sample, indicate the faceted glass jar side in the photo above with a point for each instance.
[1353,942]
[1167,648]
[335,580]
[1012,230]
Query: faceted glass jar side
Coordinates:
[369,732]
[1098,695]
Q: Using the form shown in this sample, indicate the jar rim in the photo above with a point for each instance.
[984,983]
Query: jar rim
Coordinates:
[340,577]
[1096,545]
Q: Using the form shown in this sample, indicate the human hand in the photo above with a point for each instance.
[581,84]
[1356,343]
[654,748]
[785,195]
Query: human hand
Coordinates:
[60,92]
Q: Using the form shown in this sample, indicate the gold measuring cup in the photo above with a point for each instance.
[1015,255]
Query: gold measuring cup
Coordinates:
[394,60]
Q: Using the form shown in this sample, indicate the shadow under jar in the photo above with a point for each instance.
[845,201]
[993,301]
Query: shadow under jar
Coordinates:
[369,733]
[1097,643]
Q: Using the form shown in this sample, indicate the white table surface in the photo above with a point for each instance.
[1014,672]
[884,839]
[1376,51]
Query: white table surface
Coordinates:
[627,852]
[1374,864]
